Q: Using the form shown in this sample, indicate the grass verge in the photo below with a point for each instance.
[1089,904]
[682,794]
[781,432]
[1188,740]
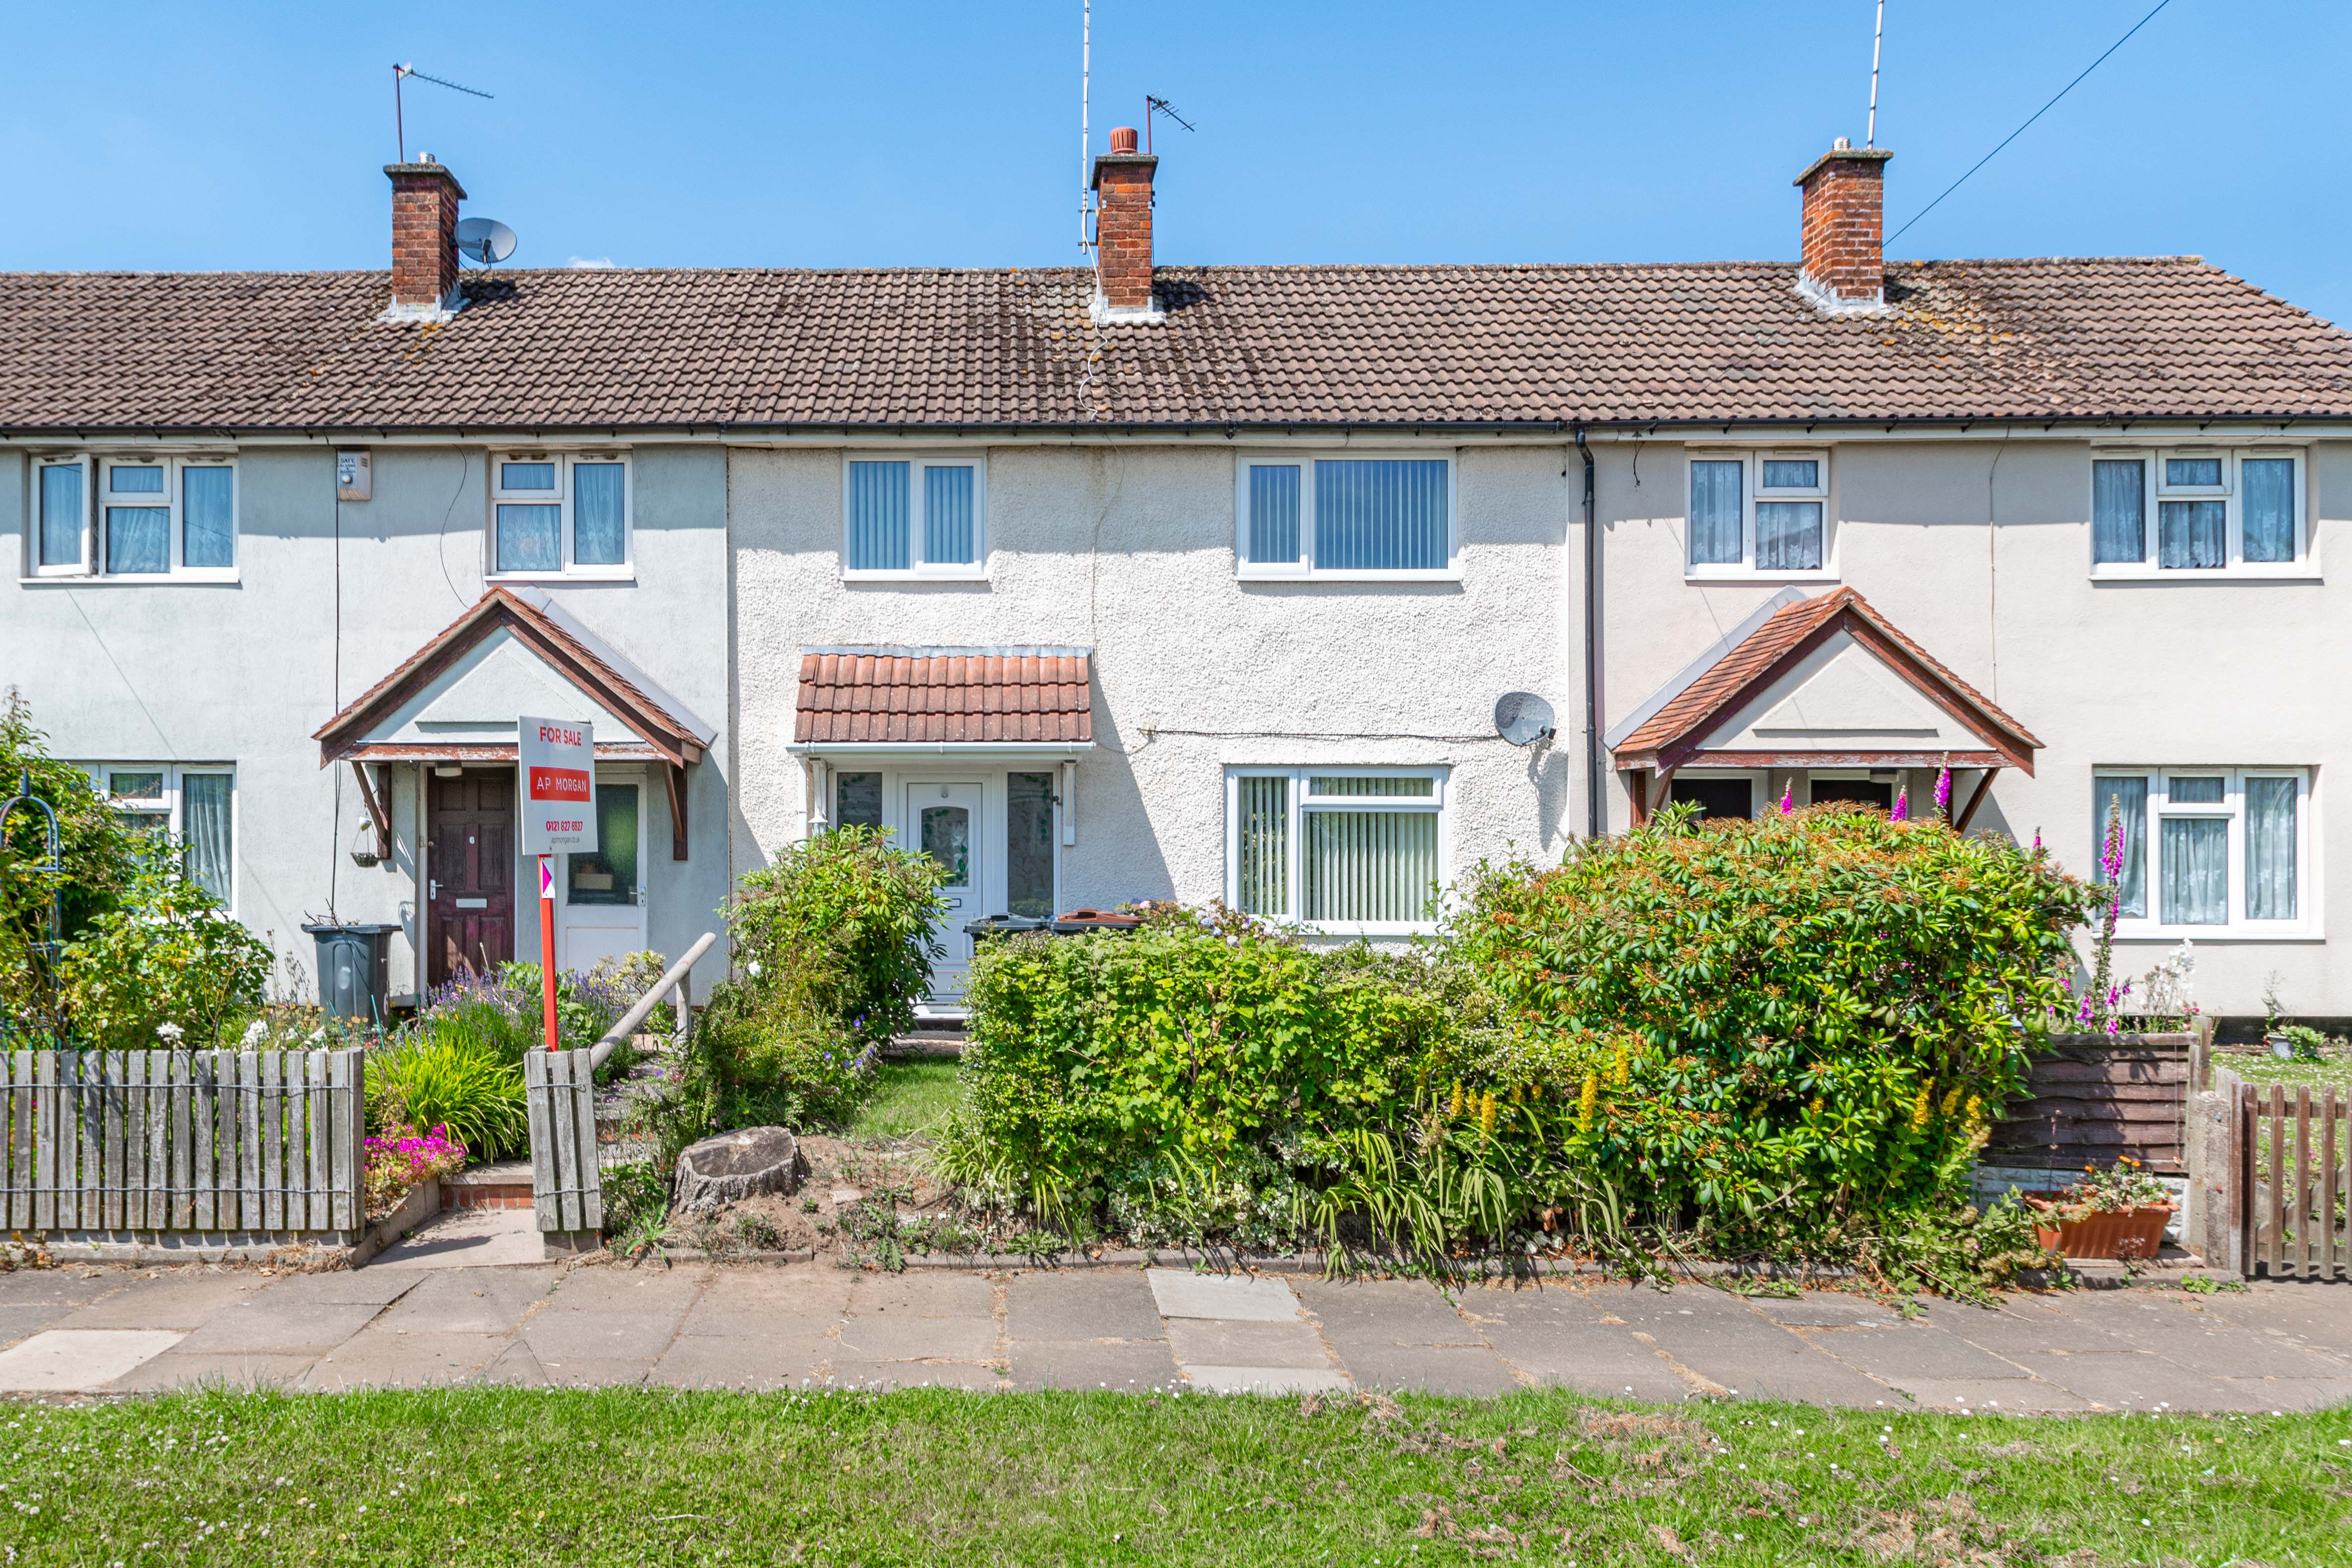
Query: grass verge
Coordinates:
[910,1101]
[514,1476]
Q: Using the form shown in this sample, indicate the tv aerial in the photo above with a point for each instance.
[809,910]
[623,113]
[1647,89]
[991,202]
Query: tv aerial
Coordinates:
[401,73]
[1522,718]
[485,239]
[1156,106]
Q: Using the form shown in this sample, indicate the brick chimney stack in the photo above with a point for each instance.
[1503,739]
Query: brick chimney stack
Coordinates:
[424,198]
[1844,268]
[1122,183]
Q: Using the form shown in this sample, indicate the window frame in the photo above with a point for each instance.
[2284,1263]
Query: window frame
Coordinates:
[97,468]
[917,567]
[172,811]
[1298,804]
[2231,492]
[1752,491]
[569,569]
[2231,809]
[1304,570]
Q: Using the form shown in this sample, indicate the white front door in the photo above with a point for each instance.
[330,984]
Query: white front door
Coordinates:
[601,897]
[943,821]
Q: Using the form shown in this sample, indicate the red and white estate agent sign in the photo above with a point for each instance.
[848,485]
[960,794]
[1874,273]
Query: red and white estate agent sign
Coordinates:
[558,760]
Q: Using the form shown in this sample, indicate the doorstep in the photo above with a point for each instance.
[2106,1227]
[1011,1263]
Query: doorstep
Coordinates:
[502,1184]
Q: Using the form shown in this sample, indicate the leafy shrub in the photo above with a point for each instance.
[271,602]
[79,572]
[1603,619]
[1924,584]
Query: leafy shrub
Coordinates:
[468,1088]
[165,965]
[756,1060]
[401,1158]
[628,978]
[841,924]
[504,1008]
[1774,1024]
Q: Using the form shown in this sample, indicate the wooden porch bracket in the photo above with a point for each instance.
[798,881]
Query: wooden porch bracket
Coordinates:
[1969,812]
[379,810]
[1638,778]
[673,775]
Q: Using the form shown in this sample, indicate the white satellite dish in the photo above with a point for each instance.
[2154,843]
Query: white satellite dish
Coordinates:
[485,239]
[1522,718]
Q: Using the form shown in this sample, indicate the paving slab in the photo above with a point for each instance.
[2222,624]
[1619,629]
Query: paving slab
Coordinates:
[184,1369]
[1211,1341]
[2225,1350]
[1082,1304]
[2113,1379]
[1265,1380]
[182,1301]
[2015,1396]
[1232,1297]
[1533,1304]
[378,1357]
[344,1286]
[262,1325]
[795,1299]
[2296,1393]
[21,1323]
[2026,1329]
[62,1287]
[1428,1369]
[757,1362]
[927,1293]
[1385,1313]
[75,1361]
[856,1374]
[906,1336]
[467,1301]
[1752,1356]
[1912,1353]
[1824,1310]
[1126,1366]
[2315,1314]
[469,1238]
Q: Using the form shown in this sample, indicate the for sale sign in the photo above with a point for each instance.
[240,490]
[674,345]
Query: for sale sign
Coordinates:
[558,759]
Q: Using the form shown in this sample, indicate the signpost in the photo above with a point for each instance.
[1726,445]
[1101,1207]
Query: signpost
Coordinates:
[558,760]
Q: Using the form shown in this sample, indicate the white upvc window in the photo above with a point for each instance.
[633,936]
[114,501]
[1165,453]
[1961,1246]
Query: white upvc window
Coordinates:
[560,515]
[2208,851]
[1344,851]
[193,804]
[2192,512]
[1759,514]
[1346,518]
[914,517]
[132,518]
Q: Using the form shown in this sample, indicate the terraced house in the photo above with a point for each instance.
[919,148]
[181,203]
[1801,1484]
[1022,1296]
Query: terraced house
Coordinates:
[1145,582]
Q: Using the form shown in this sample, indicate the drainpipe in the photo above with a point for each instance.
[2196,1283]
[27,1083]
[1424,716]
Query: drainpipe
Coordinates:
[1596,769]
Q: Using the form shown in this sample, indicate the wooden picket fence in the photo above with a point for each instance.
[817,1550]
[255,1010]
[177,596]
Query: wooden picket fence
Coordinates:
[224,1142]
[567,1189]
[2297,1177]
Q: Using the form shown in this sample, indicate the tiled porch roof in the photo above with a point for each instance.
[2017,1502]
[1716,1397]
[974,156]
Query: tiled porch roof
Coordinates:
[945,696]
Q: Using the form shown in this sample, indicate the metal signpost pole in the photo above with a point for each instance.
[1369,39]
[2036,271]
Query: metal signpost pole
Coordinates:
[557,759]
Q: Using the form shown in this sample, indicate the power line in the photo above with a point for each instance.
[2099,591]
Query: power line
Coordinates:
[2037,114]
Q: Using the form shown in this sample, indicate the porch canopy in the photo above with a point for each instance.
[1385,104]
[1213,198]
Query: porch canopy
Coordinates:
[1817,683]
[456,699]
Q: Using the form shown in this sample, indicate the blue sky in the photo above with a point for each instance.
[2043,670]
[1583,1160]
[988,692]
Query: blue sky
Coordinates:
[251,136]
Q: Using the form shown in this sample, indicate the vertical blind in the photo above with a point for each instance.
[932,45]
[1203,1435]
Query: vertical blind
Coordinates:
[947,516]
[877,518]
[1715,519]
[207,516]
[2269,485]
[2270,848]
[2119,511]
[1368,865]
[1264,847]
[1381,515]
[599,501]
[204,826]
[2129,796]
[1274,514]
[61,515]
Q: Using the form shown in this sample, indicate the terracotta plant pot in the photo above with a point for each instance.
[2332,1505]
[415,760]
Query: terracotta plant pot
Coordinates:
[2126,1234]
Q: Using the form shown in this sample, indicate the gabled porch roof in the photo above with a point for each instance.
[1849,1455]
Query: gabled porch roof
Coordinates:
[1822,682]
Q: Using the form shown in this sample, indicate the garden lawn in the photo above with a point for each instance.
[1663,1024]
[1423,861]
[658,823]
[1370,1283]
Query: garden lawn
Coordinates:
[2331,1071]
[911,1099]
[512,1476]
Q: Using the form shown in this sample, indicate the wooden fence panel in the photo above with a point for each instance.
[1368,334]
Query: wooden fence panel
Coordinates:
[2297,1181]
[212,1142]
[2095,1099]
[566,1185]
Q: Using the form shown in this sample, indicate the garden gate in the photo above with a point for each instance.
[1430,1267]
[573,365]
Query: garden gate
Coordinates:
[130,1153]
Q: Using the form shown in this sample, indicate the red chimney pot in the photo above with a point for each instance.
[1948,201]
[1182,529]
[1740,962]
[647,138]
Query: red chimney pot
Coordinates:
[1122,139]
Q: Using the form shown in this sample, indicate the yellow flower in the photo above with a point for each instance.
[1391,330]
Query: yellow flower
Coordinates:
[1952,1100]
[1518,1094]
[1921,1106]
[1816,1107]
[1487,1113]
[1454,1106]
[1976,1109]
[1621,1071]
[1591,1098]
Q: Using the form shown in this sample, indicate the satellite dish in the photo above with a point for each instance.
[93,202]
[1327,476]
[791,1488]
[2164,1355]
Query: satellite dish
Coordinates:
[1522,718]
[485,239]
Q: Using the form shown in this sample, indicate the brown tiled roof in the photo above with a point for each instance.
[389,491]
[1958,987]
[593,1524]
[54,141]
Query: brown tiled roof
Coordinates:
[619,690]
[1742,674]
[956,696]
[622,349]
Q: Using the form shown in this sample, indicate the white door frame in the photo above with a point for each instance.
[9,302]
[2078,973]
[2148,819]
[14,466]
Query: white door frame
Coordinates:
[619,773]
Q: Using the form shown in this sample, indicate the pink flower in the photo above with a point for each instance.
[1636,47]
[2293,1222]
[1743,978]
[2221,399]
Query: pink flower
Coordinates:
[1944,792]
[1901,812]
[1788,793]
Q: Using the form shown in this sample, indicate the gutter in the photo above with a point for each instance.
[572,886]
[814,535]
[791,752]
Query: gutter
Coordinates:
[1596,770]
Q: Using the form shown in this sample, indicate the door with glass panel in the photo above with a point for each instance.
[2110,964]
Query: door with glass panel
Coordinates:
[603,895]
[943,821]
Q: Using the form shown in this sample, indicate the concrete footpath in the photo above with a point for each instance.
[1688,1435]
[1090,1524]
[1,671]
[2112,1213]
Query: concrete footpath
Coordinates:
[119,1330]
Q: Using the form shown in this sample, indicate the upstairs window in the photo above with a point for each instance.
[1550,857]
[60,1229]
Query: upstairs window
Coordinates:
[560,514]
[135,518]
[1350,851]
[1347,518]
[1759,514]
[2181,512]
[914,517]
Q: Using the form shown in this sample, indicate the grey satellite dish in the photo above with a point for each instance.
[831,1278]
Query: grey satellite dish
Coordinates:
[485,239]
[1522,718]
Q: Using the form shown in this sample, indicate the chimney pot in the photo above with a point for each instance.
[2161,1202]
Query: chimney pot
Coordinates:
[1844,269]
[1122,139]
[424,198]
[1122,182]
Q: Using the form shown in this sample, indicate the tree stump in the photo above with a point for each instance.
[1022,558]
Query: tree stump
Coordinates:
[735,1165]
